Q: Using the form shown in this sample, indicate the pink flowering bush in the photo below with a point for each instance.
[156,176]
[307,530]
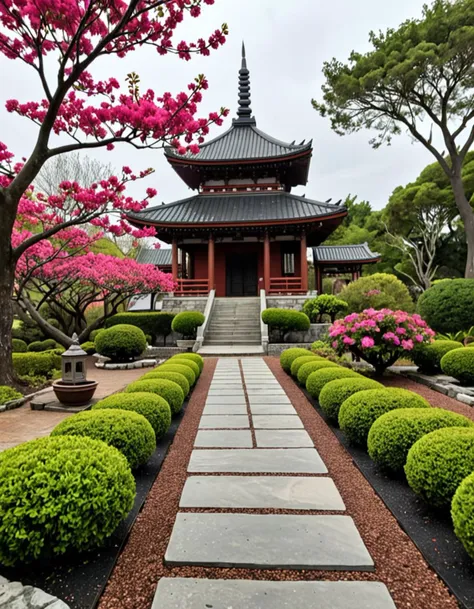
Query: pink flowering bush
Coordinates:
[380,337]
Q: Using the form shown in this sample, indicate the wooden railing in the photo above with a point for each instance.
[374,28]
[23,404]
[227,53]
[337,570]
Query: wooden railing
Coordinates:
[286,285]
[192,287]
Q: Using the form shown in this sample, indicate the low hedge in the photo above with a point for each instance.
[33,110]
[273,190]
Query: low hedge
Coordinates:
[304,359]
[36,364]
[460,364]
[168,390]
[129,432]
[187,323]
[462,513]
[19,346]
[438,462]
[7,394]
[60,494]
[309,367]
[194,357]
[181,361]
[360,411]
[156,323]
[121,343]
[288,356]
[186,371]
[394,433]
[88,347]
[428,357]
[176,377]
[318,379]
[285,320]
[333,394]
[38,346]
[154,408]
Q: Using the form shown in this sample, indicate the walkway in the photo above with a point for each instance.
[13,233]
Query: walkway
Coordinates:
[252,466]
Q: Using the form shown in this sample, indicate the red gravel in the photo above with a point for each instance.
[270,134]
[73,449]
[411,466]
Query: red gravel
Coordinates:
[398,563]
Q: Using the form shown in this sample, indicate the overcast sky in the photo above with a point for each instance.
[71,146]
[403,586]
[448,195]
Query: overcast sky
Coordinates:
[287,43]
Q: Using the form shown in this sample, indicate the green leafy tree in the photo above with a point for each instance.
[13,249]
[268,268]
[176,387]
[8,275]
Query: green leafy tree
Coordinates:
[419,78]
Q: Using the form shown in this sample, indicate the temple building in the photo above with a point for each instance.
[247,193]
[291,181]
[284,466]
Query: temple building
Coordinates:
[244,231]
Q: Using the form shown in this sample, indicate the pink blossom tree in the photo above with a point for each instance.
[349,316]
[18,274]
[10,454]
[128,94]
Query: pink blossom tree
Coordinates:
[79,112]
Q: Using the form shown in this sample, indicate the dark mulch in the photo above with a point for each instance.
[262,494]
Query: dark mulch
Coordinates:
[430,530]
[80,581]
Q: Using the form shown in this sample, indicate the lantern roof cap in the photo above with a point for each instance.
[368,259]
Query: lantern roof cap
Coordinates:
[75,350]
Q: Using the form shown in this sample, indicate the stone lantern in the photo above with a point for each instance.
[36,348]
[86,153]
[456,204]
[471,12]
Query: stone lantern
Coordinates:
[74,389]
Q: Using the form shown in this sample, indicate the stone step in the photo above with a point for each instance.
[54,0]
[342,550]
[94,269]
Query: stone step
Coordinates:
[231,341]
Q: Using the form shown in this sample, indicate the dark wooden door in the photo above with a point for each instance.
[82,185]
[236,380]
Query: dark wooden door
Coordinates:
[242,275]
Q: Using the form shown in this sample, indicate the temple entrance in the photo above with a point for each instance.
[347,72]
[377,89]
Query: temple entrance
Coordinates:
[242,275]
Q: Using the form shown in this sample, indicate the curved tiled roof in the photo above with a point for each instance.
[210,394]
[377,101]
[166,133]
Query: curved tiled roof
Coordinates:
[151,255]
[344,253]
[236,208]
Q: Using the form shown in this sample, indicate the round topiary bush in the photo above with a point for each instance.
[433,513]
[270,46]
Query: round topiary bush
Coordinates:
[360,411]
[310,367]
[318,379]
[60,494]
[394,433]
[460,364]
[166,373]
[187,323]
[187,363]
[36,346]
[153,407]
[129,432]
[448,306]
[88,347]
[304,359]
[169,390]
[377,291]
[19,346]
[428,356]
[336,392]
[438,462]
[462,513]
[288,356]
[285,320]
[171,367]
[194,357]
[121,343]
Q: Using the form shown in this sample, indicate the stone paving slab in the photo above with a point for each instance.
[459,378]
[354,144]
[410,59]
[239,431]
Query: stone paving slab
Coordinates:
[272,409]
[223,438]
[267,541]
[183,593]
[277,422]
[273,492]
[264,461]
[266,391]
[211,409]
[219,392]
[227,421]
[269,399]
[286,438]
[225,399]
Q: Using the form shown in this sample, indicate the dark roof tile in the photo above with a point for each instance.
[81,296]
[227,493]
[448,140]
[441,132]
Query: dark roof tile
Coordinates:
[344,253]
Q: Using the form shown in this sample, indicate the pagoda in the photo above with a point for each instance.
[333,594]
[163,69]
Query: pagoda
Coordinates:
[244,231]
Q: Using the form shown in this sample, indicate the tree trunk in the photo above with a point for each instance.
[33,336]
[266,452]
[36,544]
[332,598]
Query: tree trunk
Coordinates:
[467,214]
[46,327]
[7,275]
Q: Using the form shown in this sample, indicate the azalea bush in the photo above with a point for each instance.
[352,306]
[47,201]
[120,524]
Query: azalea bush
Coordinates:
[380,337]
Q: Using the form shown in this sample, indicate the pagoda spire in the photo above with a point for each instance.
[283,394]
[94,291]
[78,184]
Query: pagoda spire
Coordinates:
[244,111]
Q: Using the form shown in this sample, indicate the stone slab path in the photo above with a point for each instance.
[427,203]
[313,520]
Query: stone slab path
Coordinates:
[256,455]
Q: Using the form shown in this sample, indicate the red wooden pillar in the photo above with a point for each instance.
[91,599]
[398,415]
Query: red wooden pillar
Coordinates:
[266,263]
[174,259]
[319,279]
[304,263]
[210,261]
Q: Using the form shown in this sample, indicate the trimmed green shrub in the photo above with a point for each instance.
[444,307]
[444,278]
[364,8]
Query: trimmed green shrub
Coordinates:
[460,364]
[428,357]
[121,343]
[169,390]
[448,306]
[7,394]
[42,345]
[127,431]
[166,373]
[156,323]
[36,364]
[316,380]
[462,513]
[324,305]
[194,357]
[181,361]
[285,320]
[318,344]
[153,407]
[304,359]
[19,346]
[94,333]
[60,494]
[377,291]
[28,331]
[187,323]
[88,347]
[336,392]
[288,356]
[394,433]
[310,367]
[438,462]
[360,411]
[186,371]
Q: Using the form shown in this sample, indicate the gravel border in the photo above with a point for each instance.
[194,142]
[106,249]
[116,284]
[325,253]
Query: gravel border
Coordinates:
[398,563]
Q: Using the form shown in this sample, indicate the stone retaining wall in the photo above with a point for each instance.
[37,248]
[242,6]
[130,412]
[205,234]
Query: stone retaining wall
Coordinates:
[315,332]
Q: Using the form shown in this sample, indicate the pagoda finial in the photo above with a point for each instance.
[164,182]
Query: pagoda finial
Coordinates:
[244,111]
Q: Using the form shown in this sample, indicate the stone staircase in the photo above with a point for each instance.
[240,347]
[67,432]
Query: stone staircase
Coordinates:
[234,321]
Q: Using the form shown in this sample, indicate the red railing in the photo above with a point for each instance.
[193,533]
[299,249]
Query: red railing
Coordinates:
[192,287]
[286,285]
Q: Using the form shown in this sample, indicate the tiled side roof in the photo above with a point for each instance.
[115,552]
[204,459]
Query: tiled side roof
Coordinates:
[344,253]
[158,257]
